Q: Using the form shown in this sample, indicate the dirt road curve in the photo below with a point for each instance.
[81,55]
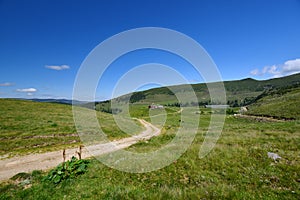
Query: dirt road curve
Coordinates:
[10,167]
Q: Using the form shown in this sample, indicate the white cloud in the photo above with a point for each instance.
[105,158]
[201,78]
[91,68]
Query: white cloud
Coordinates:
[28,90]
[287,68]
[291,66]
[264,70]
[57,67]
[6,84]
[255,72]
[274,70]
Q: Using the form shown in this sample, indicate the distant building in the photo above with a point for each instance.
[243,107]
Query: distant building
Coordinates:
[243,110]
[154,106]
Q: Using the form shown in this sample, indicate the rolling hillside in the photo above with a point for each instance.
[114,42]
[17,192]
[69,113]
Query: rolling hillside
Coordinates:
[282,103]
[27,127]
[239,93]
[32,126]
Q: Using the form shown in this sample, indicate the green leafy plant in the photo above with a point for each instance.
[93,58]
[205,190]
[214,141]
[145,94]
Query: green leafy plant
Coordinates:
[66,170]
[230,111]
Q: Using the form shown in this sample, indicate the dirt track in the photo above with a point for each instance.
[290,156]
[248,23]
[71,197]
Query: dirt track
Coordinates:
[10,167]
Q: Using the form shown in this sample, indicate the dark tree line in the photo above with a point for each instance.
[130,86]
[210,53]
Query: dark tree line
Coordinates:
[135,97]
[110,110]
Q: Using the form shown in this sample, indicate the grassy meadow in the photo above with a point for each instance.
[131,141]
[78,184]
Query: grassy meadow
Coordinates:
[32,127]
[237,168]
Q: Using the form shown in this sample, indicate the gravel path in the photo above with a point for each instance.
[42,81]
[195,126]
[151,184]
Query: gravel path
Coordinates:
[10,167]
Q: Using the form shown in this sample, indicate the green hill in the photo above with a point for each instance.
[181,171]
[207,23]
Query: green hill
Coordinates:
[239,92]
[282,103]
[36,126]
[27,126]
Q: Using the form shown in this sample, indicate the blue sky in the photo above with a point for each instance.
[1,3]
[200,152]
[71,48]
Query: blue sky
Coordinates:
[43,43]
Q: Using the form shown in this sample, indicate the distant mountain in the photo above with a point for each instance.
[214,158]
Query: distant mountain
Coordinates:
[62,101]
[239,93]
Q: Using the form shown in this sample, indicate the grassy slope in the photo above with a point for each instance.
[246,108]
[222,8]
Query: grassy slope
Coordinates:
[238,90]
[280,105]
[237,168]
[27,127]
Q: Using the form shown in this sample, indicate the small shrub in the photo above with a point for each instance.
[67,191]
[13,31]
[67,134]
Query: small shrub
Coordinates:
[66,170]
[22,179]
[21,176]
[54,125]
[230,112]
